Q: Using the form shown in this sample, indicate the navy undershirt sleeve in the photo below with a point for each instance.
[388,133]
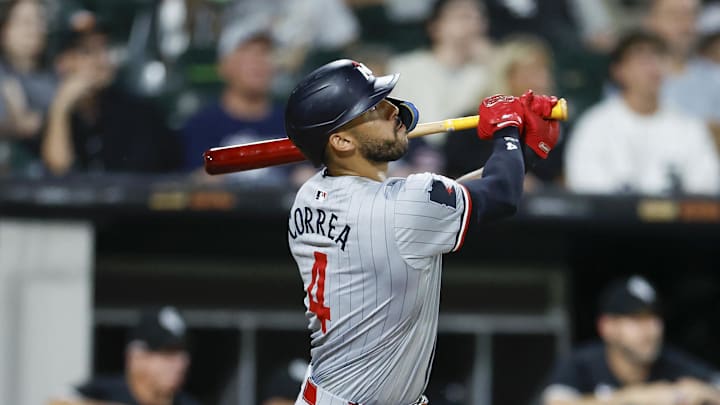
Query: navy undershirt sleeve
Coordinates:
[497,193]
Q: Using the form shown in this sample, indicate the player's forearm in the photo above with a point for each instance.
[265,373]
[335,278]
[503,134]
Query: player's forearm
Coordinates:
[57,149]
[498,192]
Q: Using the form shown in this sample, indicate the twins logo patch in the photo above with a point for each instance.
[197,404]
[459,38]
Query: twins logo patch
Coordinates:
[442,194]
[321,195]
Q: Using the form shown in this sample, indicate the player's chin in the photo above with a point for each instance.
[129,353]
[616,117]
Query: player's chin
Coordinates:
[398,150]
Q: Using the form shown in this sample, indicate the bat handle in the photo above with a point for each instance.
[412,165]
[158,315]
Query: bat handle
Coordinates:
[558,112]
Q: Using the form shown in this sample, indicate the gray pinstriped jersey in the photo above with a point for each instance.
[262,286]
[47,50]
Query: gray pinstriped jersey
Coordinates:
[370,257]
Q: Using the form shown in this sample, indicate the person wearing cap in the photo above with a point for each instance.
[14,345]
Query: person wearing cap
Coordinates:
[631,364]
[156,363]
[245,110]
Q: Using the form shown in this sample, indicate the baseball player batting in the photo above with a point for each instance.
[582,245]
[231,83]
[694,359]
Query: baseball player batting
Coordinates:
[369,248]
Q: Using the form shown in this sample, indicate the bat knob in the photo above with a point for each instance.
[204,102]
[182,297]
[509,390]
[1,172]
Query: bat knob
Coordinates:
[559,111]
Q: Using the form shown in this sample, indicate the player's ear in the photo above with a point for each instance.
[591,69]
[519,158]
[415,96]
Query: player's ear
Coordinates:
[341,142]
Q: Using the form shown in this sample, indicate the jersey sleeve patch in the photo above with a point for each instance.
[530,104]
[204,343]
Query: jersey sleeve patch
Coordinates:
[443,194]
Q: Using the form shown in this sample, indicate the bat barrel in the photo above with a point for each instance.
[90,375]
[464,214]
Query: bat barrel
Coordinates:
[255,155]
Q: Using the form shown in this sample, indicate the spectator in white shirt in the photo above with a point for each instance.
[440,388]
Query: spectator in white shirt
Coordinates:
[631,143]
[693,84]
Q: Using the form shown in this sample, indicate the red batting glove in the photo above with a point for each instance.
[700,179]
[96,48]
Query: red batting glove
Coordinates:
[541,134]
[498,112]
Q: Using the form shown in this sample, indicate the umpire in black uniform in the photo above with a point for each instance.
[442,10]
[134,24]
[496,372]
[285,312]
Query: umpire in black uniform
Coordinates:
[631,365]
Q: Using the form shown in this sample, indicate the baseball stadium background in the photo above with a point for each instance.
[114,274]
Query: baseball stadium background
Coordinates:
[82,252]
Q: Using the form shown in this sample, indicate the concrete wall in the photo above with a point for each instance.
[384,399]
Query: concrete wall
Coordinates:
[45,308]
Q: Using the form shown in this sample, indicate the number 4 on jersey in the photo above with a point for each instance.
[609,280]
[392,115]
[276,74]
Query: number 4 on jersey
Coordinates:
[317,305]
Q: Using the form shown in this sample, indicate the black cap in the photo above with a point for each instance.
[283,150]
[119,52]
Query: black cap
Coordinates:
[160,329]
[629,296]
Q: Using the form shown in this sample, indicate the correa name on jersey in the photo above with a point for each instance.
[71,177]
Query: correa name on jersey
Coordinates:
[315,220]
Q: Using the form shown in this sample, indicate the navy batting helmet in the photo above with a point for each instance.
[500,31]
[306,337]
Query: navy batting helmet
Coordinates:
[328,98]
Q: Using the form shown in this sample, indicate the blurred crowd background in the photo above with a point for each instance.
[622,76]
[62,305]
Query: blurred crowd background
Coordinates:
[145,87]
[127,93]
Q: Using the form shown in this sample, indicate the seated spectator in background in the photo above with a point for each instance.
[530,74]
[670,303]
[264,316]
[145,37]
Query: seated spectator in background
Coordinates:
[520,62]
[631,143]
[632,364]
[446,80]
[156,361]
[96,127]
[693,83]
[301,29]
[245,111]
[26,85]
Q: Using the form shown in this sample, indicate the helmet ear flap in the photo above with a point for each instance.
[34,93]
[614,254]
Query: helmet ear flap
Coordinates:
[409,114]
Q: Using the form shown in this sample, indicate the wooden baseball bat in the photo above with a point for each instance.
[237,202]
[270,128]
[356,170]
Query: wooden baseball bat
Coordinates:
[273,152]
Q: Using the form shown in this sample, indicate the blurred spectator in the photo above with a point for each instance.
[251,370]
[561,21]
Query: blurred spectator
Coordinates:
[156,362]
[632,364]
[629,142]
[553,20]
[446,80]
[280,388]
[301,29]
[521,62]
[398,10]
[601,22]
[245,111]
[709,28]
[96,127]
[26,84]
[693,85]
[375,56]
[675,21]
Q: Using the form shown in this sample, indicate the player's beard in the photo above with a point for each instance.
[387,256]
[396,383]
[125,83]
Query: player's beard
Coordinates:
[385,150]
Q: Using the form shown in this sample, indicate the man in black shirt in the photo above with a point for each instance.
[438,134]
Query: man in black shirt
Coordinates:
[93,125]
[156,363]
[631,365]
